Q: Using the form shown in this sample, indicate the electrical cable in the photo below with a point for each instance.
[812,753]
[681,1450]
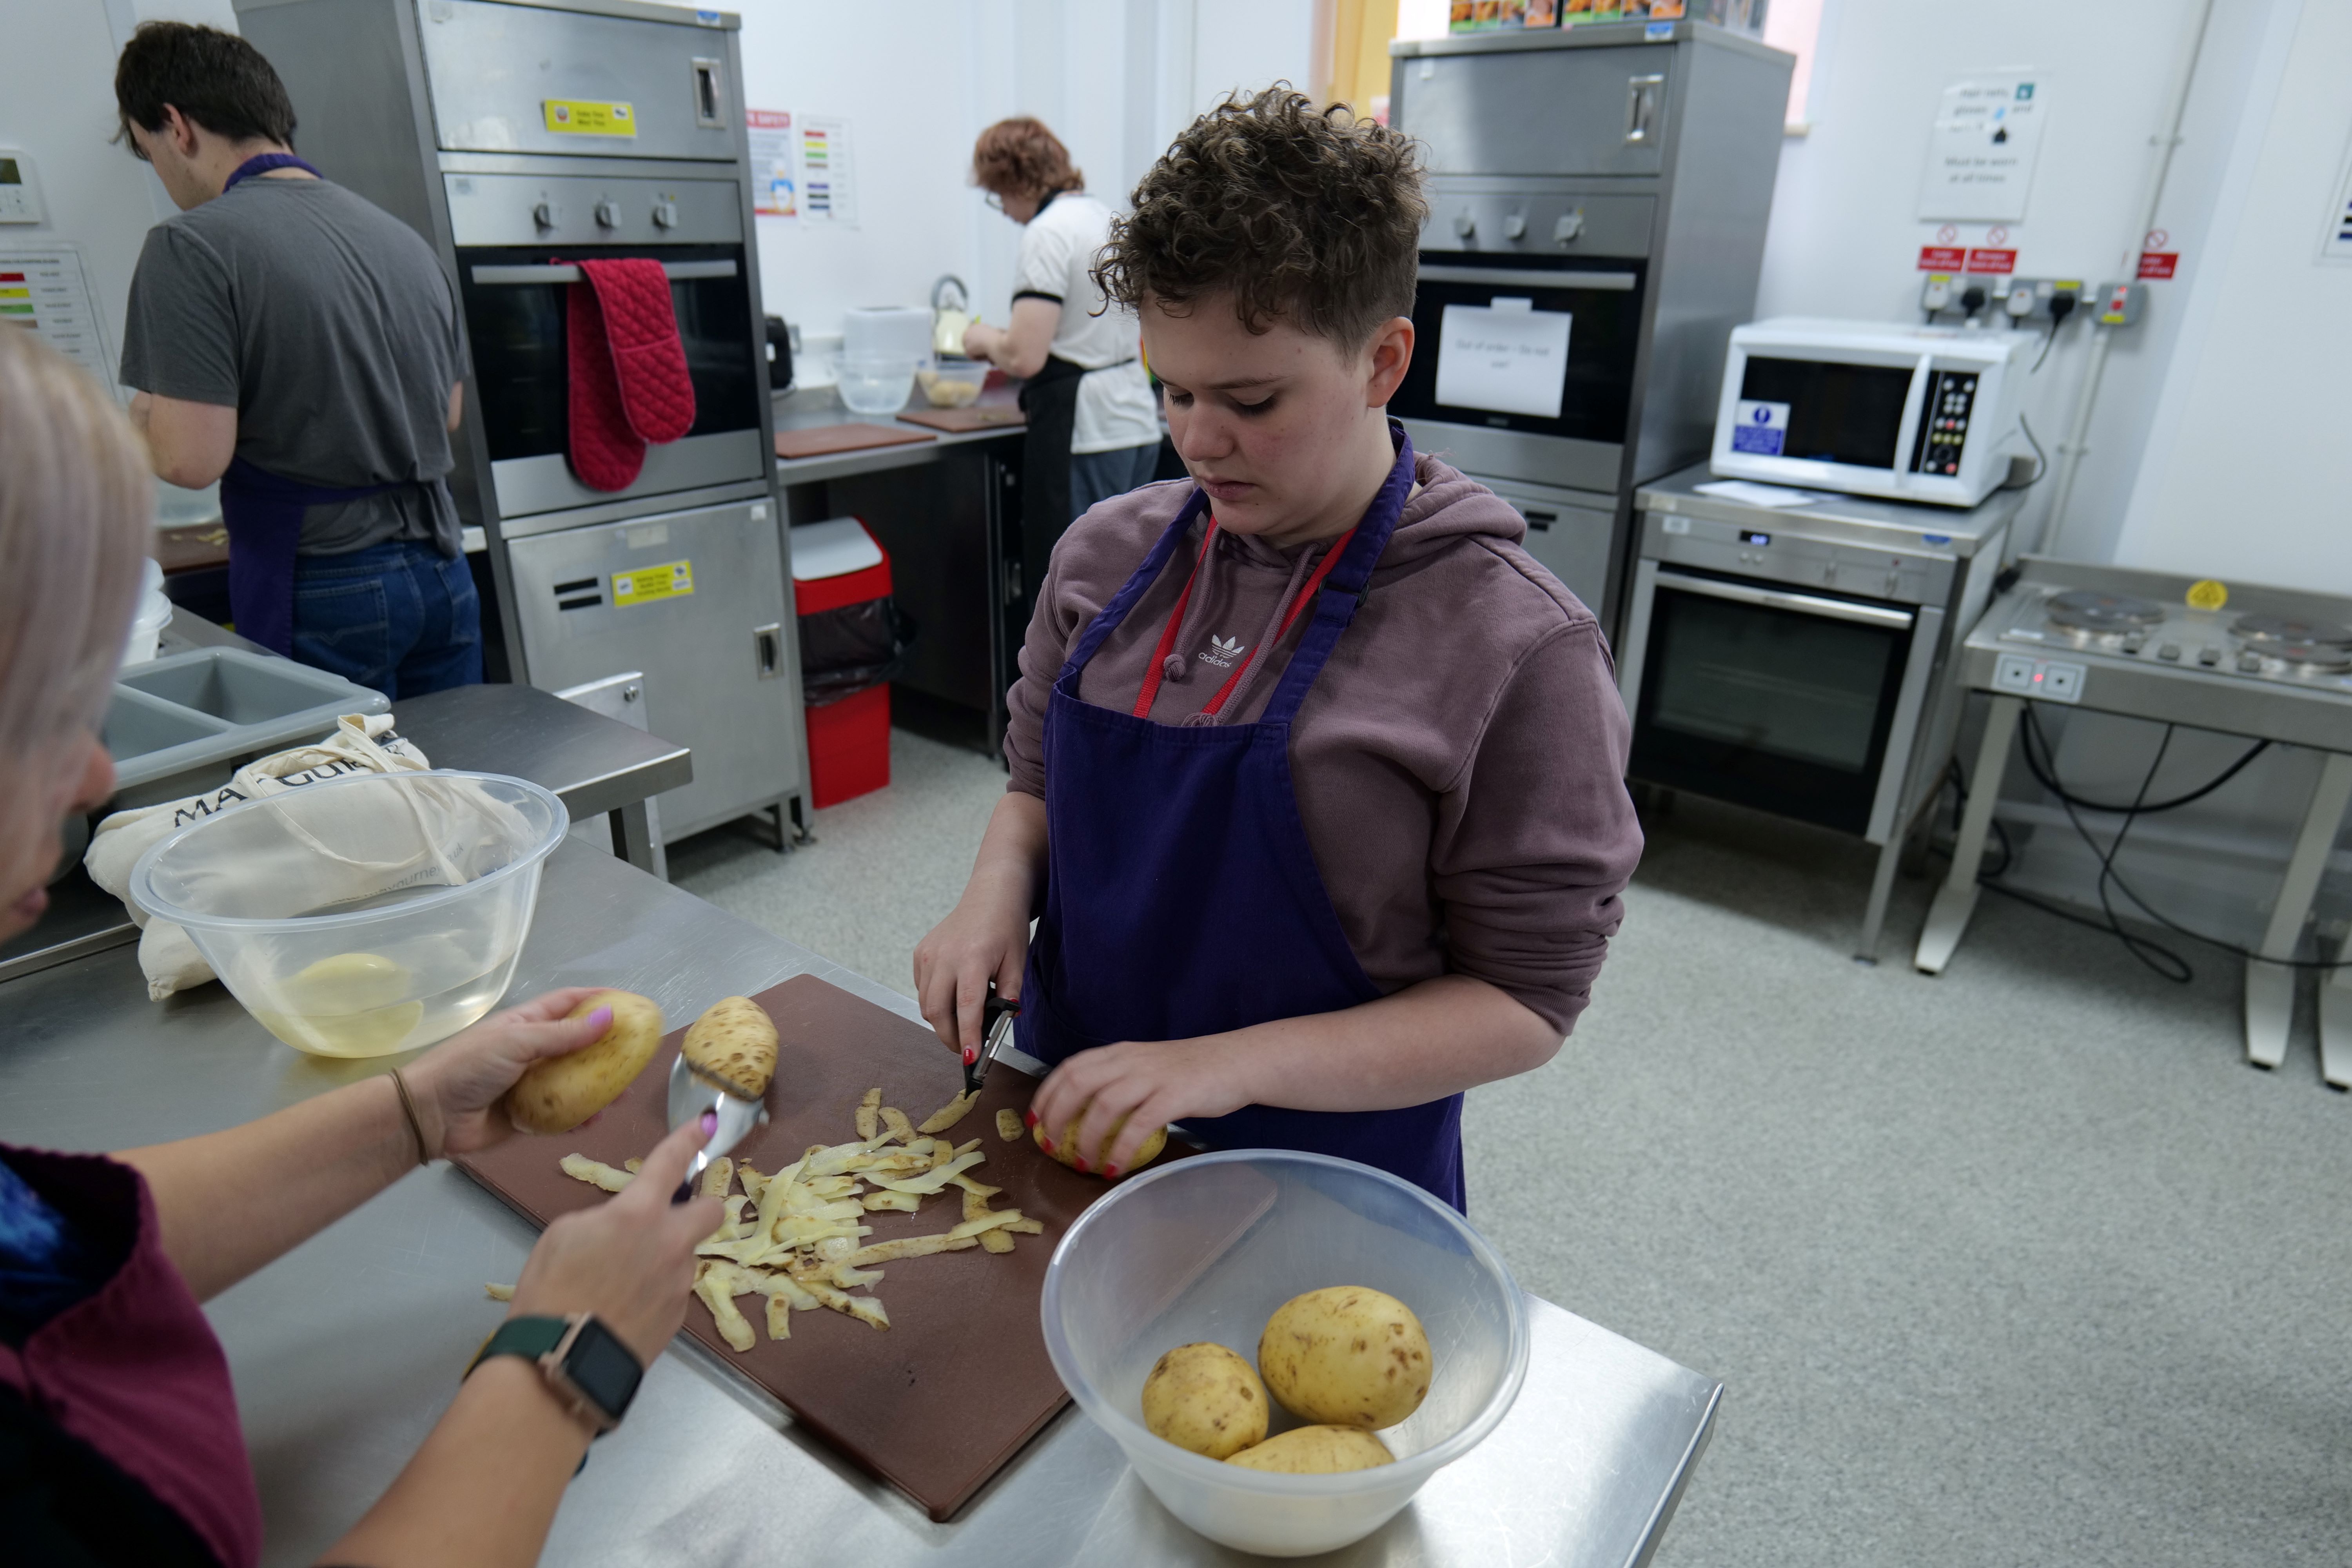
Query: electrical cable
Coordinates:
[2061,305]
[2047,339]
[2040,458]
[2154,954]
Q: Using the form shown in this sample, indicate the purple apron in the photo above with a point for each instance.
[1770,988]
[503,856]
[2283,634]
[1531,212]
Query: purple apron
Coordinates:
[263,512]
[134,1371]
[1181,895]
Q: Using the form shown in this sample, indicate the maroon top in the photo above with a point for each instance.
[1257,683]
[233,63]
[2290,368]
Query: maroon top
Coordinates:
[134,1372]
[1460,764]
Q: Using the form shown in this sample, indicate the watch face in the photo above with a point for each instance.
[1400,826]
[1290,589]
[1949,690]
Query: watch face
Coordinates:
[601,1367]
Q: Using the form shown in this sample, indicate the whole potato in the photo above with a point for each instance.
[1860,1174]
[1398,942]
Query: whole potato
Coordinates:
[1316,1451]
[559,1093]
[1346,1356]
[733,1043]
[1065,1148]
[1205,1398]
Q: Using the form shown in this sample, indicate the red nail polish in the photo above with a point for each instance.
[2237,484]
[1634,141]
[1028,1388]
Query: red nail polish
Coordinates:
[1046,1144]
[970,1056]
[1110,1172]
[1028,1119]
[1079,1165]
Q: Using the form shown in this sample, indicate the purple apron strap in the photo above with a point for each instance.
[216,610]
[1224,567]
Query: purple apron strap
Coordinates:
[263,514]
[134,1371]
[261,163]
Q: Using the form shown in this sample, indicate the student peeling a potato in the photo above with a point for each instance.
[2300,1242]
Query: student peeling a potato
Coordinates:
[104,1258]
[1317,777]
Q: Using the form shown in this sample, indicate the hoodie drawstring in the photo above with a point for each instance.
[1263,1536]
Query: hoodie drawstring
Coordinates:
[1167,663]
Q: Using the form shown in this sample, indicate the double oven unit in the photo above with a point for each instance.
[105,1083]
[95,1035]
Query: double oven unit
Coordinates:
[521,138]
[1597,201]
[1793,658]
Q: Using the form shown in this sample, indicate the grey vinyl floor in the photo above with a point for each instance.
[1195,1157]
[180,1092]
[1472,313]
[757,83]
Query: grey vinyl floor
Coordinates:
[2020,1265]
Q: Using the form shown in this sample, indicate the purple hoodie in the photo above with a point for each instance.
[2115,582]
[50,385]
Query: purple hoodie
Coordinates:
[1460,763]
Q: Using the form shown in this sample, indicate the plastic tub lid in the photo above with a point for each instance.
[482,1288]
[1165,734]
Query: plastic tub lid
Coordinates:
[835,548]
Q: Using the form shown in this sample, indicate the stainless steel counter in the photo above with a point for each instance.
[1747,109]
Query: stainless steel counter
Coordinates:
[347,1349]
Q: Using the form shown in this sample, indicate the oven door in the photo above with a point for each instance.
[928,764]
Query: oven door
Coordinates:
[1514,347]
[515,301]
[1799,703]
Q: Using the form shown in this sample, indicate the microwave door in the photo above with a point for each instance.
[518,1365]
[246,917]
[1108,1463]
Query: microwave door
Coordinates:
[1905,464]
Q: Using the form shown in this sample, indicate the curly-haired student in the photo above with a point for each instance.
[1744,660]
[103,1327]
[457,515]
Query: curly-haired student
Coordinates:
[1317,777]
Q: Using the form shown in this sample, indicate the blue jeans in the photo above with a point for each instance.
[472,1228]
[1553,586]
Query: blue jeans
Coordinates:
[1099,475]
[394,617]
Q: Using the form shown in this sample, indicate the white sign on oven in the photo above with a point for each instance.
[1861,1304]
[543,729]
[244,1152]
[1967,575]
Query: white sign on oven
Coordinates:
[1506,358]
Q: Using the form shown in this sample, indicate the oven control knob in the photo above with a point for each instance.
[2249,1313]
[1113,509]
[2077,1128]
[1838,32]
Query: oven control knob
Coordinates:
[665,213]
[1571,227]
[2250,662]
[2208,657]
[608,214]
[2170,650]
[1465,226]
[547,214]
[1514,227]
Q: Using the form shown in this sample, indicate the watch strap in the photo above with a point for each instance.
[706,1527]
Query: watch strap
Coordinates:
[529,1338]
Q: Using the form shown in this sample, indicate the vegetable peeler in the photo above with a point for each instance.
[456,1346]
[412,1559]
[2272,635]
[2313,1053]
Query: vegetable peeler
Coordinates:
[996,1018]
[690,1095]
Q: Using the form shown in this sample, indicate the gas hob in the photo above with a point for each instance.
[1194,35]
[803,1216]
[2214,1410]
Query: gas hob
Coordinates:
[2268,662]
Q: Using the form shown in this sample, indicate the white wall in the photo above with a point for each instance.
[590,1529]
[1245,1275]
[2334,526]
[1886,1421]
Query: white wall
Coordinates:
[1115,79]
[2244,476]
[1844,238]
[57,105]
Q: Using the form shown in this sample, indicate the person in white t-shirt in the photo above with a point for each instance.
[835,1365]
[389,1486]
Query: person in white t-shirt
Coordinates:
[1094,419]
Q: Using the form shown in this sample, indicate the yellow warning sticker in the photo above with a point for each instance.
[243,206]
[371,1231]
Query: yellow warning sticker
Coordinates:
[2207,594]
[671,580]
[587,117]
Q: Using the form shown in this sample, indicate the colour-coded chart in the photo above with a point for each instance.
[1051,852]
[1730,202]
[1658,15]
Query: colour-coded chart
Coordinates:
[47,291]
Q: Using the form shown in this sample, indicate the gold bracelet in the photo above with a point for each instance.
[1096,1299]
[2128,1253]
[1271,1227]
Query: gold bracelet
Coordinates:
[408,1108]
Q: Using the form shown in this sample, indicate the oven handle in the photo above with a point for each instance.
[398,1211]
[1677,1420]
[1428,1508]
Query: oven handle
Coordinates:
[676,271]
[1528,278]
[1781,599]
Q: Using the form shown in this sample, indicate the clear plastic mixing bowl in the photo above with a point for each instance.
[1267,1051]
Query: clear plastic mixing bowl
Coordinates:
[364,915]
[1205,1249]
[875,384]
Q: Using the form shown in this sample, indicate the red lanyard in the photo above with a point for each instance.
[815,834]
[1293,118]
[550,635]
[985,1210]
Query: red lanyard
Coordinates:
[1151,678]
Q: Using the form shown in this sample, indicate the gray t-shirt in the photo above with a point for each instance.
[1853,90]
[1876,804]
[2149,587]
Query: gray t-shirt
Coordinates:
[329,325]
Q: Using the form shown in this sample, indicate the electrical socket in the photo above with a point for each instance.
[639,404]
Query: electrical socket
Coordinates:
[2008,300]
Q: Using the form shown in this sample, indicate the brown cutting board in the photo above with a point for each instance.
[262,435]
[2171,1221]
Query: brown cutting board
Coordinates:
[977,417]
[827,440]
[945,1398]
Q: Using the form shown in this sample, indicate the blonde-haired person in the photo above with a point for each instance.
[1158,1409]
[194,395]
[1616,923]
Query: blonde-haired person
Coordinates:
[119,1434]
[1093,421]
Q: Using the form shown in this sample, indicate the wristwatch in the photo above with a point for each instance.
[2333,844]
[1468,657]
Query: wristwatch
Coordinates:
[585,1362]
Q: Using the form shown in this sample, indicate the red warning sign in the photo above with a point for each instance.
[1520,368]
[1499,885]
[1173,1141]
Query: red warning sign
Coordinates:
[1997,263]
[2158,263]
[1941,258]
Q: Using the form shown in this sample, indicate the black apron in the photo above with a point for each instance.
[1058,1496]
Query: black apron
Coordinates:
[1050,399]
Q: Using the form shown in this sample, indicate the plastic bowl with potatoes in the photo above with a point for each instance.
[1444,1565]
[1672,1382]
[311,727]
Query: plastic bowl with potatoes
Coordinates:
[1220,1250]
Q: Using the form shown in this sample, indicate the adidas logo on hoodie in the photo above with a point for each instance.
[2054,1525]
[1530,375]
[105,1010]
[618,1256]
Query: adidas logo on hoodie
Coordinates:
[1223,652]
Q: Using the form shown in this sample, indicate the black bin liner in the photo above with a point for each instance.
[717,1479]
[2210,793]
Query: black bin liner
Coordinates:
[853,648]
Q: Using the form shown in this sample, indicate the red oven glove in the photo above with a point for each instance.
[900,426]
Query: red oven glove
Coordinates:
[629,383]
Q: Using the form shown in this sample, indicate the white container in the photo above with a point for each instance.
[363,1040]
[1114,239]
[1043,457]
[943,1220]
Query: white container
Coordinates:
[1206,1249]
[874,383]
[154,613]
[365,915]
[902,332]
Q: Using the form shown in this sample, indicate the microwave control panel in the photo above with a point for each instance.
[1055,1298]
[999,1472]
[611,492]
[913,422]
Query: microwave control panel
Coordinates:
[1945,430]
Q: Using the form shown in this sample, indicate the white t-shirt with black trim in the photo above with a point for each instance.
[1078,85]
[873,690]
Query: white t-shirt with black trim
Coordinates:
[1116,407]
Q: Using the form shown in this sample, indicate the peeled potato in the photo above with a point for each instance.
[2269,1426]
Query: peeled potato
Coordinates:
[559,1093]
[734,1042]
[1316,1451]
[1346,1356]
[1205,1398]
[1065,1150]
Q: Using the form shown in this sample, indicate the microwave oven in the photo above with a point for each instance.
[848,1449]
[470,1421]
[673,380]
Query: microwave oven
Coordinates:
[1914,414]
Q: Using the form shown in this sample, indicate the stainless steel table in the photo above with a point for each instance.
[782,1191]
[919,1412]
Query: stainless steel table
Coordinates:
[347,1349]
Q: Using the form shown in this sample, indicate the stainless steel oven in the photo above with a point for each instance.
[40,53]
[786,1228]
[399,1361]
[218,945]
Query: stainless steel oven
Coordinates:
[1791,659]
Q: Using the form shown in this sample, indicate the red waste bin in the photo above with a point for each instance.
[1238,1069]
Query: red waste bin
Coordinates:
[848,737]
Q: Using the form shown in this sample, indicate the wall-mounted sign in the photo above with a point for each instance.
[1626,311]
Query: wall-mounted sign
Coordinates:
[1980,158]
[1990,262]
[2158,263]
[1941,258]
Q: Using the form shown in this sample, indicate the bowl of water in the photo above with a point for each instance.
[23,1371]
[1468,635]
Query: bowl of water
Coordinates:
[874,383]
[1206,1249]
[364,915]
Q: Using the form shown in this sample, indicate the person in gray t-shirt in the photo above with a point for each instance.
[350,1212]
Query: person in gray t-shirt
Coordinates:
[304,347]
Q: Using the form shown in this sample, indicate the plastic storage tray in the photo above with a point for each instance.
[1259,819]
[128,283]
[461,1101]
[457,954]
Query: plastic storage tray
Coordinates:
[184,722]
